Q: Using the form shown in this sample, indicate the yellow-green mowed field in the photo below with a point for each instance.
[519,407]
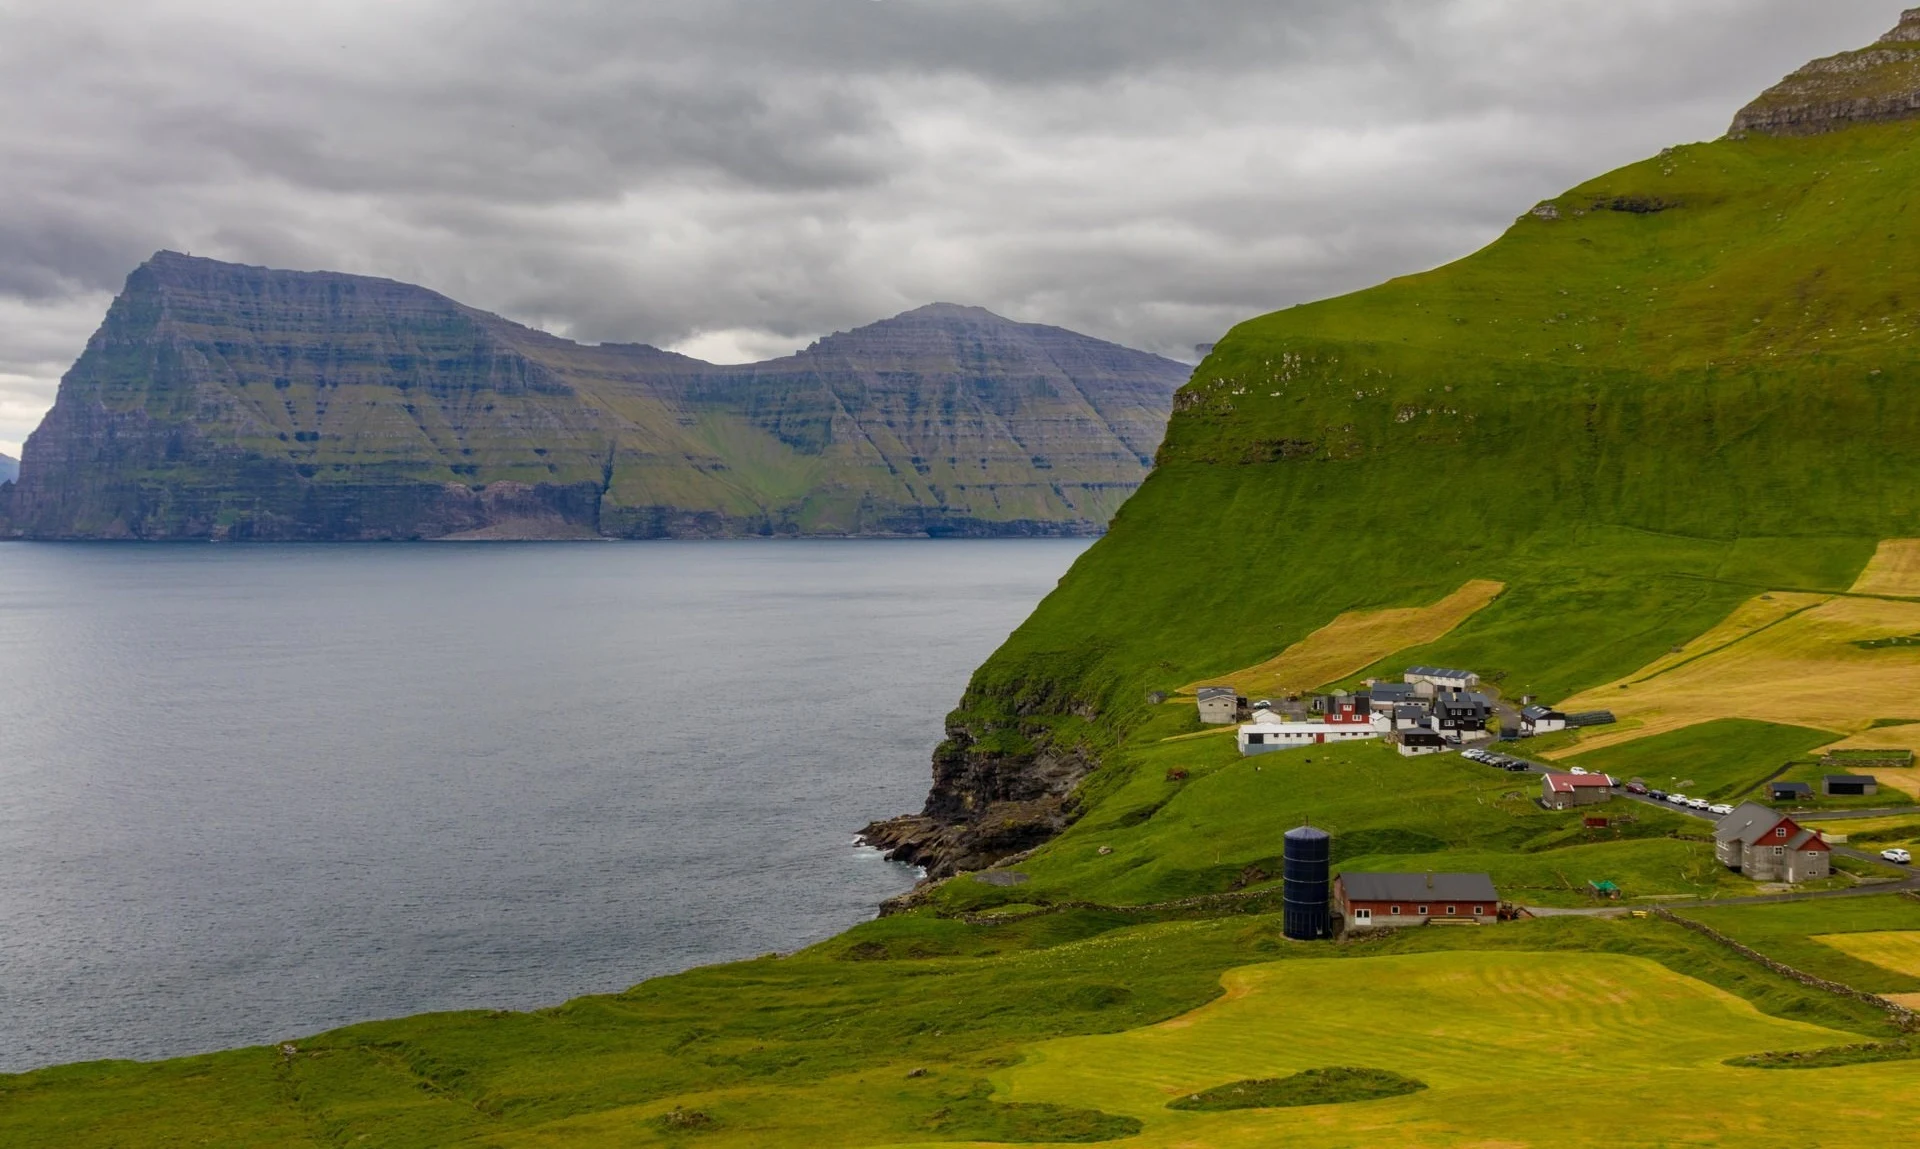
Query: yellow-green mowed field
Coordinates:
[1518,1049]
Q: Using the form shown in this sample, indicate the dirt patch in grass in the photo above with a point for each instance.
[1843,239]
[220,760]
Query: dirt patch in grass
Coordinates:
[1309,1087]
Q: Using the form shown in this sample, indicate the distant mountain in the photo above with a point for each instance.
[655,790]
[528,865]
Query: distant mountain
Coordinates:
[9,468]
[226,401]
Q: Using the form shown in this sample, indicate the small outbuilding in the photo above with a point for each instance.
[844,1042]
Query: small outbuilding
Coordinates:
[1375,901]
[1541,720]
[1849,785]
[1387,695]
[1565,791]
[1219,705]
[1789,791]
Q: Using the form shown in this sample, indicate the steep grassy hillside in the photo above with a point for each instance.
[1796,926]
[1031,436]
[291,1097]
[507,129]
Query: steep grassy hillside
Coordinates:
[1676,387]
[241,402]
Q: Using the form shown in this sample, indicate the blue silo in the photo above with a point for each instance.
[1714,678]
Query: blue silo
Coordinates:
[1306,915]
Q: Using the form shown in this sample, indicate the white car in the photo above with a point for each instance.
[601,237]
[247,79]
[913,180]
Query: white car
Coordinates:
[1577,770]
[1700,803]
[1720,809]
[1678,799]
[1896,854]
[1473,755]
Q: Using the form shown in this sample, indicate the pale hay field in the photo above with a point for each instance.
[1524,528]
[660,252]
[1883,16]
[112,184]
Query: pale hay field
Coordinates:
[1788,658]
[1519,1049]
[1355,641]
[1897,950]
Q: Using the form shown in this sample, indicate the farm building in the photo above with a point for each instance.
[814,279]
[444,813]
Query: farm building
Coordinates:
[1789,791]
[1267,737]
[1565,791]
[1768,846]
[1541,720]
[1440,678]
[1415,743]
[1374,901]
[1219,705]
[1849,785]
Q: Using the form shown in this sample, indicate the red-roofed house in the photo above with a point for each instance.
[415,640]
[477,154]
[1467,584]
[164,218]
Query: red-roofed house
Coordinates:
[1562,791]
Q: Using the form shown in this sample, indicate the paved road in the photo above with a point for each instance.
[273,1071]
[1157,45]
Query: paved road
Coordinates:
[1908,879]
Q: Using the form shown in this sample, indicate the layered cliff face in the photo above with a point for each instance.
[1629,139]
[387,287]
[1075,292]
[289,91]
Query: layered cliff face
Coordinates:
[1672,389]
[1873,84]
[223,401]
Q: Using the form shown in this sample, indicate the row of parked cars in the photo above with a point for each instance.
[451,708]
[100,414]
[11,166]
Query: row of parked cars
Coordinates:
[1497,761]
[1717,809]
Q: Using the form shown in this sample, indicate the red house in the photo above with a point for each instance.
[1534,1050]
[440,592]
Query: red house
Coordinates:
[1356,710]
[1375,901]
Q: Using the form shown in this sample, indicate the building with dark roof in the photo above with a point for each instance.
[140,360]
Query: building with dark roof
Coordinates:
[1849,785]
[1461,715]
[1441,677]
[1768,846]
[1414,743]
[1375,901]
[1387,695]
[1219,705]
[1541,720]
[1789,791]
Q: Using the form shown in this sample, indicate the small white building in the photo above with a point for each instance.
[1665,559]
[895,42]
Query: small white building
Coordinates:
[1441,678]
[1267,737]
[1541,720]
[1415,743]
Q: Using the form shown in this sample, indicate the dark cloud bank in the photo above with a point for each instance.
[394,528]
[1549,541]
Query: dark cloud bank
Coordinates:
[735,177]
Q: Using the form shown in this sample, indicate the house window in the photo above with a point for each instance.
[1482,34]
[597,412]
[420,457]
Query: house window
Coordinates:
[1780,832]
[1422,911]
[1395,911]
[1362,917]
[1478,910]
[1453,911]
[1813,853]
[1779,850]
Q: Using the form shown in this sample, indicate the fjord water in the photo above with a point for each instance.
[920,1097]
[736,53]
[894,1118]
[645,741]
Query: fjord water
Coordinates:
[250,793]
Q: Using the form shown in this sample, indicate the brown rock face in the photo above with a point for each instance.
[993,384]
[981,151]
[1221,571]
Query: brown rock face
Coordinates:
[224,401]
[1871,85]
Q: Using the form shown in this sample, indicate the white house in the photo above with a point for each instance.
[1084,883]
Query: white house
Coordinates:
[1441,678]
[1267,737]
[1541,720]
[1415,743]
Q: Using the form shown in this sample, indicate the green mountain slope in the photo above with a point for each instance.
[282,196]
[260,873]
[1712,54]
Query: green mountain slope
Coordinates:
[241,402]
[1674,387]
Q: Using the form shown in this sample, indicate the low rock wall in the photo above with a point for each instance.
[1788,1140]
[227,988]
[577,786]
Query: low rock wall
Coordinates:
[1900,1014]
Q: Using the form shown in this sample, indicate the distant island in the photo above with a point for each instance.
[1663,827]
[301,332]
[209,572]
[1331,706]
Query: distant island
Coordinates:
[9,468]
[221,401]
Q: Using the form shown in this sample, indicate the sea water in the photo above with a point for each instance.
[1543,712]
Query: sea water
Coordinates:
[251,793]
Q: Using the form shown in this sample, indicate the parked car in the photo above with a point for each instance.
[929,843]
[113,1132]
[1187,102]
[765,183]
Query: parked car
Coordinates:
[1678,799]
[1720,809]
[1636,787]
[1516,768]
[1577,770]
[1700,803]
[1896,854]
[1657,795]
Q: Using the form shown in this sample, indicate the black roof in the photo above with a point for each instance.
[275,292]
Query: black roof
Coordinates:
[1422,738]
[1866,779]
[1791,787]
[1592,718]
[1419,887]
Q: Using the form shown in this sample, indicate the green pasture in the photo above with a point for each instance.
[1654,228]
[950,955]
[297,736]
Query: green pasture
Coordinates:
[1516,1048]
[1725,760]
[1784,932]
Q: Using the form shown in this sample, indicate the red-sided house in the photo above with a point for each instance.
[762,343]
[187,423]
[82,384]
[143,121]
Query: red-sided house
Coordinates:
[1768,846]
[1355,710]
[1375,901]
[1562,791]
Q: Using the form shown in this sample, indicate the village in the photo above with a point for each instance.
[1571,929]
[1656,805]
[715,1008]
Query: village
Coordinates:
[1440,710]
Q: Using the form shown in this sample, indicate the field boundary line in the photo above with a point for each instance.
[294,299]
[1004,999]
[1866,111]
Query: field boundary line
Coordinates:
[1900,1015]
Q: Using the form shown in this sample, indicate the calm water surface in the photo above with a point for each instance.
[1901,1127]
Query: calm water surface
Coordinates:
[247,794]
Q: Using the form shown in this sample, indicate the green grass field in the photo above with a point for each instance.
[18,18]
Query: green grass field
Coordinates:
[1725,761]
[1597,1049]
[1785,932]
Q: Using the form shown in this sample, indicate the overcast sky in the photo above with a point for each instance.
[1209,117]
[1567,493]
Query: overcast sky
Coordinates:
[735,177]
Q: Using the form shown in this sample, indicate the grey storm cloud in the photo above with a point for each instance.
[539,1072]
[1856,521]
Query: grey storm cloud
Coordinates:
[734,177]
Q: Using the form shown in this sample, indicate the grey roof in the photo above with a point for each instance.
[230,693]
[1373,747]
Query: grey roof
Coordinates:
[1536,713]
[1748,822]
[1307,834]
[1419,887]
[1441,672]
[1391,691]
[1800,839]
[1409,712]
[1865,778]
[1207,692]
